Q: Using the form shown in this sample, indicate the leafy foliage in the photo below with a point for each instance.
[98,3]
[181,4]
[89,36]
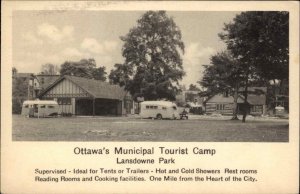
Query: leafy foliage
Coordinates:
[223,74]
[153,64]
[193,87]
[83,68]
[121,75]
[99,73]
[260,39]
[19,94]
[49,69]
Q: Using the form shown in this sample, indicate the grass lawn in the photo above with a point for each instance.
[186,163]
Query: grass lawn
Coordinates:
[135,129]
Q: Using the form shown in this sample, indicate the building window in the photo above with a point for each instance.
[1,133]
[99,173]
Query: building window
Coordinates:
[50,106]
[257,108]
[220,106]
[43,106]
[64,101]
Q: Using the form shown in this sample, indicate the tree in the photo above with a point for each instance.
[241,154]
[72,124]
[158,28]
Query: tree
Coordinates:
[49,69]
[19,92]
[83,68]
[99,73]
[193,87]
[260,41]
[153,64]
[223,75]
[121,75]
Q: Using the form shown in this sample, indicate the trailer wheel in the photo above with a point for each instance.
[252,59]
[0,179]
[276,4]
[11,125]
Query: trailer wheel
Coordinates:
[159,117]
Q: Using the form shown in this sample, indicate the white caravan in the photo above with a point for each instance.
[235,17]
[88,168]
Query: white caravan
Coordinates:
[159,110]
[40,108]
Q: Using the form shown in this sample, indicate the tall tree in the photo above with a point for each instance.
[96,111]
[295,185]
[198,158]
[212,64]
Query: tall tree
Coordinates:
[223,75]
[83,68]
[153,62]
[49,69]
[260,41]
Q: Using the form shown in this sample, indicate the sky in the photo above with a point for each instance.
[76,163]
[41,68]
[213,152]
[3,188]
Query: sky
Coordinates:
[41,37]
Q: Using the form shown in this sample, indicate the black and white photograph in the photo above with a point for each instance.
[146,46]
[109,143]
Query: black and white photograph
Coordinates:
[179,76]
[149,97]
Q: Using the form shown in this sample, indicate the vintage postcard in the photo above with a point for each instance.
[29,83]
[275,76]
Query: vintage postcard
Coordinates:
[150,97]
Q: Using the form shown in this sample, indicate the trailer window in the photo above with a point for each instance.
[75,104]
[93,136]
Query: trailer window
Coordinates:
[164,108]
[50,106]
[174,107]
[43,106]
[64,101]
[26,106]
[151,107]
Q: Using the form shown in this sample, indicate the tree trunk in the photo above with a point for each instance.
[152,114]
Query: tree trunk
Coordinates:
[245,101]
[235,99]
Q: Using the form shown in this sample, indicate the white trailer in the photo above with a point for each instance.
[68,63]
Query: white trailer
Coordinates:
[40,108]
[159,110]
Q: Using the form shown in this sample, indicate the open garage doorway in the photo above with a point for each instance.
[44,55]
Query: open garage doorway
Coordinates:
[107,107]
[103,107]
[84,107]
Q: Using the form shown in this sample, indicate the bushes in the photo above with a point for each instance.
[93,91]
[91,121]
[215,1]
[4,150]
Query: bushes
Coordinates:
[17,105]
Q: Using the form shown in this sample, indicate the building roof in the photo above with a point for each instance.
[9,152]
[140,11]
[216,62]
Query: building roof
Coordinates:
[160,103]
[25,75]
[255,99]
[96,88]
[46,80]
[39,102]
[256,96]
[219,98]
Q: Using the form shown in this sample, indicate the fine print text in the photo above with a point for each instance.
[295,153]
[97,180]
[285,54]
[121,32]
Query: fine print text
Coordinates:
[145,174]
[127,171]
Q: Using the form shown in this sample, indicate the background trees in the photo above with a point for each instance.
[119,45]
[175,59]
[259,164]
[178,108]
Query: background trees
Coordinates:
[122,75]
[223,75]
[83,68]
[153,65]
[261,39]
[19,92]
[49,69]
[259,47]
[193,87]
